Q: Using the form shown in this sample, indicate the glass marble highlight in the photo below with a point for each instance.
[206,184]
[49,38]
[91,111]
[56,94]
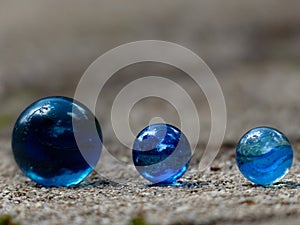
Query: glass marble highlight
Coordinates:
[161,153]
[44,143]
[264,155]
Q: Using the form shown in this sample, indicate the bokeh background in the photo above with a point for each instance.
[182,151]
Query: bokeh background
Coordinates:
[253,47]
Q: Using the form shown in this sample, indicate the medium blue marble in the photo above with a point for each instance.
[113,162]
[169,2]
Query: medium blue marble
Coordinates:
[264,155]
[44,144]
[161,153]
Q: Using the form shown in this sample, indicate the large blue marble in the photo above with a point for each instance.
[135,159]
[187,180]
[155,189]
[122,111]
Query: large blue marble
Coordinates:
[264,155]
[44,143]
[161,153]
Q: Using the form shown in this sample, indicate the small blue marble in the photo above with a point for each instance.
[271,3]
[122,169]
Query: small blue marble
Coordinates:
[264,155]
[44,143]
[161,153]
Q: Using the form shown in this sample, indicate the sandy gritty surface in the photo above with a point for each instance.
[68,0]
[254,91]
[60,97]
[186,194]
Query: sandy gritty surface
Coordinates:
[220,195]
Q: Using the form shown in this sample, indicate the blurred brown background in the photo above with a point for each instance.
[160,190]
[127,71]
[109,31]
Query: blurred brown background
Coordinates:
[253,47]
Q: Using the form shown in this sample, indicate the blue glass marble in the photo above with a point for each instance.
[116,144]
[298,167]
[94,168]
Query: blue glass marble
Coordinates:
[161,153]
[44,143]
[264,155]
